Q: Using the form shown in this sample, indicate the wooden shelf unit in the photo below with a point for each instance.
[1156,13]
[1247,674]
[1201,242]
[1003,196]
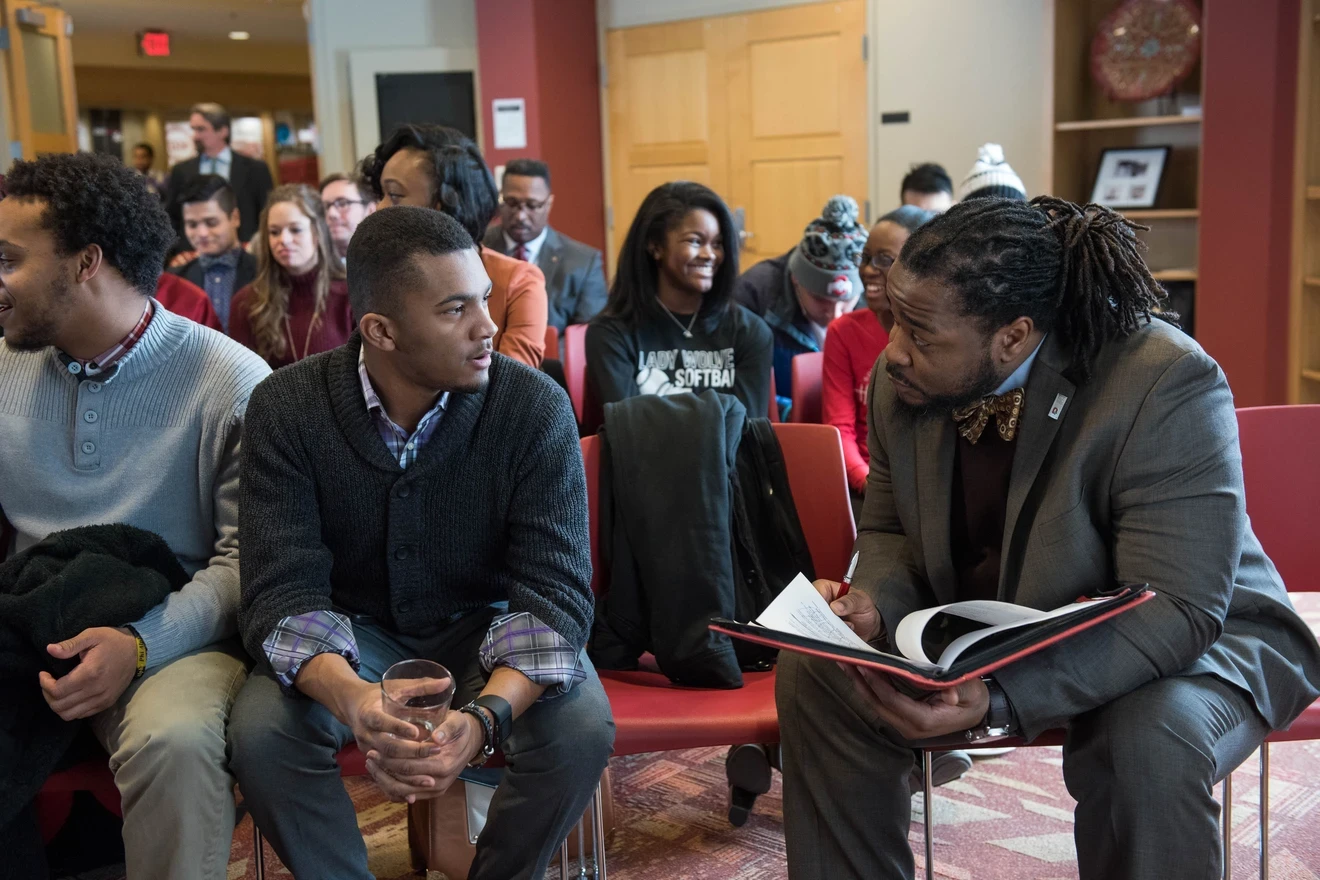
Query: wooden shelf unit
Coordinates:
[1304,304]
[1086,122]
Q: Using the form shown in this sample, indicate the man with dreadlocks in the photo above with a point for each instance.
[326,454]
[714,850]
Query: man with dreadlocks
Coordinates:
[1044,434]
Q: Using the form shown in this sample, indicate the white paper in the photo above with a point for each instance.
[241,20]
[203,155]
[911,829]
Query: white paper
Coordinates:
[800,610]
[998,617]
[510,123]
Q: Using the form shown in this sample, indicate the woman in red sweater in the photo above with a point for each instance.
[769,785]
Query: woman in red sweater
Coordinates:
[855,341]
[298,303]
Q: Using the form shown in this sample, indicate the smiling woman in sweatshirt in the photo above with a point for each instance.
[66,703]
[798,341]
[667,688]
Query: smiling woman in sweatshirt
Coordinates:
[670,325]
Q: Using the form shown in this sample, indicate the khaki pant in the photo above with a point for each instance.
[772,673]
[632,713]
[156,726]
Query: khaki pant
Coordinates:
[166,739]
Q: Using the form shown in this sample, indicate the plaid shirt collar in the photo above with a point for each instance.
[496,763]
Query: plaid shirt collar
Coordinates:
[114,354]
[402,445]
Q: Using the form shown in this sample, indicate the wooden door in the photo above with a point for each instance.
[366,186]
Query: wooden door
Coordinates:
[667,112]
[45,111]
[797,126]
[768,109]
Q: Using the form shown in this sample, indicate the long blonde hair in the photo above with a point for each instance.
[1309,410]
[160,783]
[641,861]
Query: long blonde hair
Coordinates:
[271,287]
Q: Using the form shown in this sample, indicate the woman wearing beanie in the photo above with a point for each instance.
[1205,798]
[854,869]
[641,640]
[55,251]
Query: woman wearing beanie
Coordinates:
[991,177]
[670,325]
[800,293]
[856,340]
[298,303]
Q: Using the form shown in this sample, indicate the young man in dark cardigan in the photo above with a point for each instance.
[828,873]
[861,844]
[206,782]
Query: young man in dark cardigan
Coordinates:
[414,494]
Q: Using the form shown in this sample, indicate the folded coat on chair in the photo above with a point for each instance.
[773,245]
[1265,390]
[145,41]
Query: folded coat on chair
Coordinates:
[90,576]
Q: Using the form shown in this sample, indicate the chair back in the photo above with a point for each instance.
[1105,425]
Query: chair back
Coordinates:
[551,342]
[575,367]
[813,457]
[806,388]
[1281,473]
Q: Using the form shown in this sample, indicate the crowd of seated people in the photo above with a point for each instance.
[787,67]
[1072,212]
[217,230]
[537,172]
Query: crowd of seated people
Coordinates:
[407,483]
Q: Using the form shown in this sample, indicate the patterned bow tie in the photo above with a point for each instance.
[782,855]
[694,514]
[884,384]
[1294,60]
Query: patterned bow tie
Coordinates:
[1006,409]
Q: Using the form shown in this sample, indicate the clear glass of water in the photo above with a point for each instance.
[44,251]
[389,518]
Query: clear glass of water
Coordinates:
[419,692]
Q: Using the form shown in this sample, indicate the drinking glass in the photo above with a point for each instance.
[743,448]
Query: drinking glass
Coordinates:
[419,692]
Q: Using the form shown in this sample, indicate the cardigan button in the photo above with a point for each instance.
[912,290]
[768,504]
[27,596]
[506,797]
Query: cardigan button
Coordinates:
[402,553]
[403,607]
[403,492]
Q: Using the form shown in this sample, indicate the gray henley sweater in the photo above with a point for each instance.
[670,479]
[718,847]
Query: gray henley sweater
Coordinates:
[155,445]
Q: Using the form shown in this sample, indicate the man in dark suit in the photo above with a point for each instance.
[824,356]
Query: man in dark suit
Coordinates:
[211,221]
[249,178]
[574,278]
[1038,434]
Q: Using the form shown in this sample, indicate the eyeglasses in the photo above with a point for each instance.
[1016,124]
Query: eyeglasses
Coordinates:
[342,204]
[881,261]
[515,205]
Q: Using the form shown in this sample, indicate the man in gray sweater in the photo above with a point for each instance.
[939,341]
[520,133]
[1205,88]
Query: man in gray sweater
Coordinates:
[114,410]
[412,494]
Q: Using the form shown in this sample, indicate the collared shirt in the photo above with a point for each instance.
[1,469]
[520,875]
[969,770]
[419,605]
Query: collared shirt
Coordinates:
[218,274]
[520,641]
[221,164]
[402,445]
[114,354]
[1018,378]
[533,247]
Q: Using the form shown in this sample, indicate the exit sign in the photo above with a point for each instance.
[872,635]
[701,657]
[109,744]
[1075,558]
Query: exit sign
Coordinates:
[154,44]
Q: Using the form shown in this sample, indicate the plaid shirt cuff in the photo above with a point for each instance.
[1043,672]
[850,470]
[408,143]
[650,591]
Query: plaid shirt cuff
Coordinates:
[297,639]
[522,642]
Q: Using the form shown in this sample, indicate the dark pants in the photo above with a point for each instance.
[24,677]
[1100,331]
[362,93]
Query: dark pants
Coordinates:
[284,759]
[1142,768]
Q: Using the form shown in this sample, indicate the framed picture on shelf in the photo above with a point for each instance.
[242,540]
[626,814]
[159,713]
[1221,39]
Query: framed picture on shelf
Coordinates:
[1129,177]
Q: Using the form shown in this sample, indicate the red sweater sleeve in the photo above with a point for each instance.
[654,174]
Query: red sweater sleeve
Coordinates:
[838,397]
[240,327]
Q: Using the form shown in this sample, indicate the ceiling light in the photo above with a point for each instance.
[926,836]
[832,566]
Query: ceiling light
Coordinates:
[239,35]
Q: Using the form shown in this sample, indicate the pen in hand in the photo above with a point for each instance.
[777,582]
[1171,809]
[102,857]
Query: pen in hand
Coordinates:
[847,578]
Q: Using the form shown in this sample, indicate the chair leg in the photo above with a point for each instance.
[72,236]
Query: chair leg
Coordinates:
[928,812]
[1265,811]
[582,852]
[1228,825]
[563,861]
[598,831]
[258,851]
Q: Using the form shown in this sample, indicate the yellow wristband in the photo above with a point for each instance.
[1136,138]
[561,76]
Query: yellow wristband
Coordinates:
[141,653]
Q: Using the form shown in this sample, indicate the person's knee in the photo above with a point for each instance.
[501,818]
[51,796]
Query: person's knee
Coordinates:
[573,730]
[1140,751]
[178,746]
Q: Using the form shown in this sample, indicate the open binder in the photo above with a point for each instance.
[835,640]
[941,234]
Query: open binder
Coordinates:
[971,638]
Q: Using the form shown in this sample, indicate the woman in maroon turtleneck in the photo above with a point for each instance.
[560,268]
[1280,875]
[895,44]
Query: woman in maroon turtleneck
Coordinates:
[298,303]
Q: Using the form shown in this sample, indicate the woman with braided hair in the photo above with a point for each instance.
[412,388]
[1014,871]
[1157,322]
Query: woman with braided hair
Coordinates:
[1039,434]
[433,166]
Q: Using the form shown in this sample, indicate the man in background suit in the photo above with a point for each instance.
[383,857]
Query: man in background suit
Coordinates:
[1038,434]
[250,178]
[574,279]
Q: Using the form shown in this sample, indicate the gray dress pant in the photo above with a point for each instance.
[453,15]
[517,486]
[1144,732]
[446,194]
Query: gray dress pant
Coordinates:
[283,754]
[1142,769]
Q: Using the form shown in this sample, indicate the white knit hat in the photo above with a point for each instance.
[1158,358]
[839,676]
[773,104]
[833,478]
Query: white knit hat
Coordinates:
[991,176]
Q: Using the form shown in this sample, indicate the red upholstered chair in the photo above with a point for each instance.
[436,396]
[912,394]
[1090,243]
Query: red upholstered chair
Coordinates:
[651,714]
[806,388]
[551,342]
[575,367]
[773,415]
[1282,480]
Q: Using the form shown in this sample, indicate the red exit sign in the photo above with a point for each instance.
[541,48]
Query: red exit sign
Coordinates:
[154,44]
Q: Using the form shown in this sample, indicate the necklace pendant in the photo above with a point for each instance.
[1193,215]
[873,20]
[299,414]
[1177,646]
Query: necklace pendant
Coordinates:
[687,334]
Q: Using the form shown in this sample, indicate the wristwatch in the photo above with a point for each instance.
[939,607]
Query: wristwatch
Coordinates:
[999,719]
[497,731]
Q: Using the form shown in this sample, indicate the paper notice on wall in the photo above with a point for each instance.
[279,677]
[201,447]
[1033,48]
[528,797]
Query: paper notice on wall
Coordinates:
[510,123]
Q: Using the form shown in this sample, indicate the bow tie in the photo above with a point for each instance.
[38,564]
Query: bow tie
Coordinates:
[228,259]
[1006,409]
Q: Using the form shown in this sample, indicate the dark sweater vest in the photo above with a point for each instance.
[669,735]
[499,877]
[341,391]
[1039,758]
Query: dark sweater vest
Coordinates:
[494,508]
[981,472]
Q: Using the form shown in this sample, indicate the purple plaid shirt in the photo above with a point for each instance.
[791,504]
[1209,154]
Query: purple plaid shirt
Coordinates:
[520,641]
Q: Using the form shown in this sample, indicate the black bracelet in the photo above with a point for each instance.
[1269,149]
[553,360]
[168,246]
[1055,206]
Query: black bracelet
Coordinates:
[488,727]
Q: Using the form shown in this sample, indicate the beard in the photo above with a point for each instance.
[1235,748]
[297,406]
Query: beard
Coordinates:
[978,382]
[40,329]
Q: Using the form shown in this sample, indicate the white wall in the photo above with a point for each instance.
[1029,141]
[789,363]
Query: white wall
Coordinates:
[337,27]
[968,71]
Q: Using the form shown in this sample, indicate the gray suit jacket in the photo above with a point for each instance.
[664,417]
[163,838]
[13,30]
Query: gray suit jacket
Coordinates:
[1138,480]
[574,277]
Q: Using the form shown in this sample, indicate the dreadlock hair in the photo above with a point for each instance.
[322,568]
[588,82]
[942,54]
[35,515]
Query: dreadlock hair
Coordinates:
[1073,270]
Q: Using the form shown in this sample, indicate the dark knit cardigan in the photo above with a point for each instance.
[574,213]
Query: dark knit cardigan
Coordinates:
[494,508]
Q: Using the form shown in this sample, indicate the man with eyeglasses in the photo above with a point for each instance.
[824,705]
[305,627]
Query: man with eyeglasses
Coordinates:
[347,203]
[574,279]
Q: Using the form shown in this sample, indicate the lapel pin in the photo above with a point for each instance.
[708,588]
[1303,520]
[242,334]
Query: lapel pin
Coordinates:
[1059,401]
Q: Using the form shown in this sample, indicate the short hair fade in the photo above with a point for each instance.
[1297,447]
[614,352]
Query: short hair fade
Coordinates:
[380,254]
[207,187]
[528,168]
[926,178]
[92,198]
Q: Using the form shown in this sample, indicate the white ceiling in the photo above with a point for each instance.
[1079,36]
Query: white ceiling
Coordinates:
[273,20]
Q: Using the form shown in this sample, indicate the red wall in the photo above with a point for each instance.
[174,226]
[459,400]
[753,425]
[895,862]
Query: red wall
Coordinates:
[544,51]
[1247,146]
